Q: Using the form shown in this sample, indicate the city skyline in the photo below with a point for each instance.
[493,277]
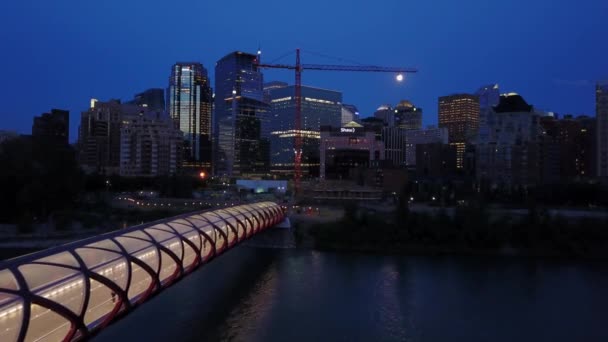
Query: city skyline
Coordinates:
[530,54]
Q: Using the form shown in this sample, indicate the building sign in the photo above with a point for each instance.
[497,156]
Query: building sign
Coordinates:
[347,130]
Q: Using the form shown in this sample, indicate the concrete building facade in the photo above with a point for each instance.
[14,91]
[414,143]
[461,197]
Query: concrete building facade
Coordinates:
[150,146]
[346,148]
[510,154]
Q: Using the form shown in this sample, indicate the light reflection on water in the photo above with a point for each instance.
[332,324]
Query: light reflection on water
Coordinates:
[254,294]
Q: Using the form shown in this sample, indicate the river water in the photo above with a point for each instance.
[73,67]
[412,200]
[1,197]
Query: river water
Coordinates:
[253,294]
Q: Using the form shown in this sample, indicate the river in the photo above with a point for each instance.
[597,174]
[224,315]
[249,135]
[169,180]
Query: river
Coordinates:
[252,294]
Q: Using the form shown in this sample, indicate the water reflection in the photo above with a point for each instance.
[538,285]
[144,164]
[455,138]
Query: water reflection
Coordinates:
[243,322]
[389,315]
[290,295]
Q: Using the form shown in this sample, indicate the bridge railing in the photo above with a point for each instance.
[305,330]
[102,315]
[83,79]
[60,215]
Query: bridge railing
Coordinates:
[72,291]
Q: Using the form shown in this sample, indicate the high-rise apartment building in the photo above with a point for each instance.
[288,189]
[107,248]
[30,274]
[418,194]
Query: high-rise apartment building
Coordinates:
[408,116]
[510,155]
[601,115]
[151,146]
[189,99]
[319,107]
[459,113]
[52,128]
[99,135]
[567,148]
[241,122]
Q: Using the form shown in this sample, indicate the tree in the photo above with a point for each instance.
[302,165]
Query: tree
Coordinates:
[403,208]
[37,178]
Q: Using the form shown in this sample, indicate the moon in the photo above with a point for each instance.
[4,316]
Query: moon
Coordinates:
[399,78]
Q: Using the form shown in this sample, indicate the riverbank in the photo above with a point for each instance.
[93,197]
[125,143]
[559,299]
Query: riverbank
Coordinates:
[468,231]
[450,250]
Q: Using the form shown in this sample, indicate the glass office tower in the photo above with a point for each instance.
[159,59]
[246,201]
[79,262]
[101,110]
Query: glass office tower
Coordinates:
[320,107]
[189,98]
[241,118]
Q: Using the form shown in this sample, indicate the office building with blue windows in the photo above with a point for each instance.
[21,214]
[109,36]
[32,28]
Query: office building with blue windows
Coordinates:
[189,99]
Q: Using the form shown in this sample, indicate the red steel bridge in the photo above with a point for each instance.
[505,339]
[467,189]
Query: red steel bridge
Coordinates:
[73,291]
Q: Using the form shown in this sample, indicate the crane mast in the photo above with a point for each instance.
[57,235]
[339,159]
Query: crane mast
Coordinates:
[298,127]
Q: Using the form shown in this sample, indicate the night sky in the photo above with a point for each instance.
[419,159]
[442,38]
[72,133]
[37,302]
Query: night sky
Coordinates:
[58,54]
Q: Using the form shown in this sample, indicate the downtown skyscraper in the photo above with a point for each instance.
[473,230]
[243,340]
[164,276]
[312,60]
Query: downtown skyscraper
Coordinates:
[241,131]
[408,116]
[489,96]
[320,107]
[189,100]
[460,115]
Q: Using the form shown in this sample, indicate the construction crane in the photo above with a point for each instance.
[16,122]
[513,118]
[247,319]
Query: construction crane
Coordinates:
[298,68]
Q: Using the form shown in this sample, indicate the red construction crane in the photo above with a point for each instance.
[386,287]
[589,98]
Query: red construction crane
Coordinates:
[298,67]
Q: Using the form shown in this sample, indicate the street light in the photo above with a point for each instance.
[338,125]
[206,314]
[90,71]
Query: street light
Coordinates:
[399,77]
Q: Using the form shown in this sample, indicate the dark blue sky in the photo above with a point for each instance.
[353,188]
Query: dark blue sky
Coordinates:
[58,54]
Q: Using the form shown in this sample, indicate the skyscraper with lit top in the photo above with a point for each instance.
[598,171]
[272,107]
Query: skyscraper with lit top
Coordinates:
[189,101]
[408,116]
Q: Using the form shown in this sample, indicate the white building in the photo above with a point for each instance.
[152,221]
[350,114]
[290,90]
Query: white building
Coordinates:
[349,113]
[508,153]
[395,145]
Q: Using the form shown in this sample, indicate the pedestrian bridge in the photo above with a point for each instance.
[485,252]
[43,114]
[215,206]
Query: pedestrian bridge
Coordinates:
[72,291]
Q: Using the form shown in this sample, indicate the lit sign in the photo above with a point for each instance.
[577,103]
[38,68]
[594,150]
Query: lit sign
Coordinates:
[347,130]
